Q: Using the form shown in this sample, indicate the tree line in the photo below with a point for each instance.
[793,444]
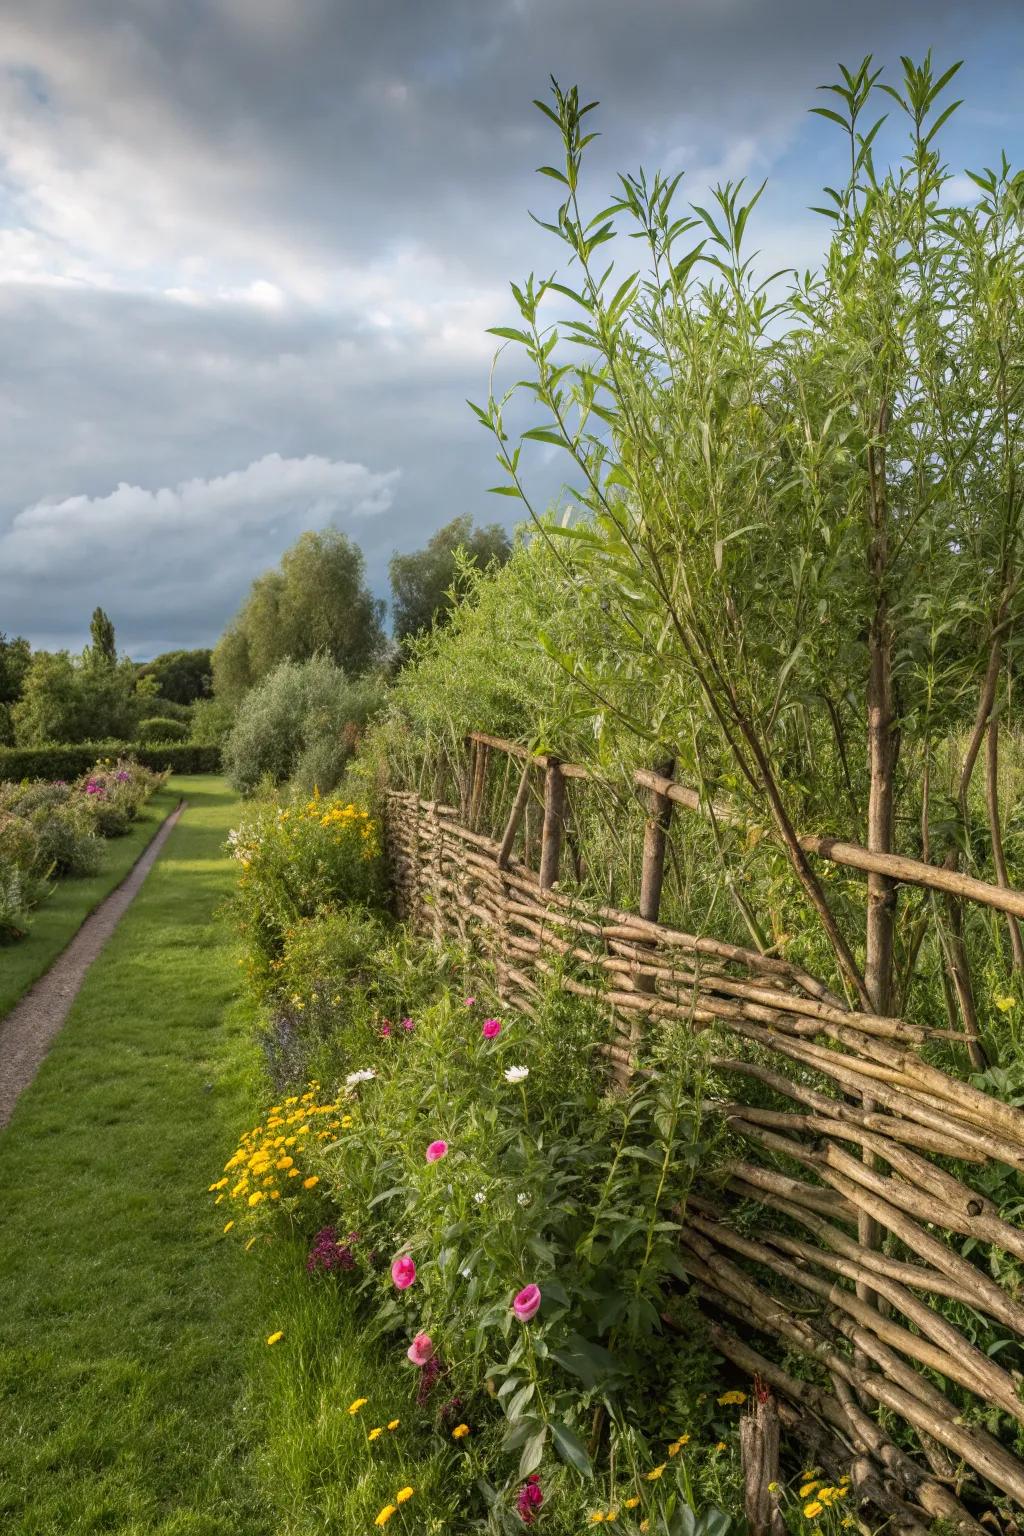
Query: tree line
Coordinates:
[316,603]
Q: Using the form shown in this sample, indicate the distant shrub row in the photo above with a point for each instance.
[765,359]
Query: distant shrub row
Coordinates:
[70,762]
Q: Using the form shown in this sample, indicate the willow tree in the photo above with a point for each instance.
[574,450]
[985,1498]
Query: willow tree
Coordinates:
[799,497]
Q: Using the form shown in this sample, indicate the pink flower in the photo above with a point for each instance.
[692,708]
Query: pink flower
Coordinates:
[469,1001]
[436,1151]
[385,1030]
[403,1272]
[408,1025]
[491,1029]
[527,1303]
[530,1499]
[421,1349]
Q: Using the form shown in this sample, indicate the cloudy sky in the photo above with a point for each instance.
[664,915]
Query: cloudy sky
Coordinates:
[249,250]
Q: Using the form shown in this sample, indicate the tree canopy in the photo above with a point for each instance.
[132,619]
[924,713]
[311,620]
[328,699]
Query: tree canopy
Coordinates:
[181,676]
[316,603]
[426,583]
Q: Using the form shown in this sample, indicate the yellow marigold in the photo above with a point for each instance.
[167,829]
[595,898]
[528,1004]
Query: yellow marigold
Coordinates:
[285,1162]
[293,1173]
[655,1472]
[275,1194]
[631,1503]
[385,1514]
[403,1494]
[612,1516]
[313,1180]
[728,1398]
[597,1518]
[360,1402]
[807,1490]
[721,1446]
[375,1434]
[460,1431]
[256,1197]
[394,1423]
[274,1337]
[812,1510]
[228,1225]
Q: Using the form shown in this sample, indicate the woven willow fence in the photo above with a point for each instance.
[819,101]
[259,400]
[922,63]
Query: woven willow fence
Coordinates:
[866,1142]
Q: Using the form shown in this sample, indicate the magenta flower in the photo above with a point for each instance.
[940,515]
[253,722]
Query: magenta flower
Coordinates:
[385,1030]
[408,1025]
[403,1272]
[530,1499]
[469,1001]
[436,1151]
[527,1303]
[421,1349]
[491,1029]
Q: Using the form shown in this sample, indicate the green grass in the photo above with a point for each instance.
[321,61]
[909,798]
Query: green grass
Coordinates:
[55,923]
[129,1324]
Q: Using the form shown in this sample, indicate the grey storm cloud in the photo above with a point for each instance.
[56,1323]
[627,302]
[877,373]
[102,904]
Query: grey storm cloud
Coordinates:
[249,250]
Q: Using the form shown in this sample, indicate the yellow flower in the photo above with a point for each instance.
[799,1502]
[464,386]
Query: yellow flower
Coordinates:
[311,1182]
[721,1446]
[632,1503]
[677,1445]
[812,1510]
[403,1494]
[846,1520]
[385,1514]
[275,1194]
[375,1434]
[275,1336]
[807,1490]
[655,1472]
[773,1487]
[359,1403]
[394,1423]
[228,1225]
[219,1185]
[256,1197]
[460,1431]
[728,1398]
[249,1244]
[1004,1004]
[293,1173]
[597,1518]
[284,1162]
[645,1525]
[612,1516]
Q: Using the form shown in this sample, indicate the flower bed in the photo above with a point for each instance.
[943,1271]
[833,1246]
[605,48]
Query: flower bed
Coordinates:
[55,830]
[495,1229]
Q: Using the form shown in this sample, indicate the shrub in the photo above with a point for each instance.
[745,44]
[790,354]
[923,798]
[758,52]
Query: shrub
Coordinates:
[161,728]
[71,762]
[211,721]
[298,860]
[63,825]
[18,893]
[298,706]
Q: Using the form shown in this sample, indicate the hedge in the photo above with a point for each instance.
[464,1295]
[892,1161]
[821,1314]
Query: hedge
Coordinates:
[70,762]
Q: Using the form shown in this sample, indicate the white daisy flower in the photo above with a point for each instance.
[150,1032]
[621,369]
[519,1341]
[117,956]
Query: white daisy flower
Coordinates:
[364,1075]
[517,1074]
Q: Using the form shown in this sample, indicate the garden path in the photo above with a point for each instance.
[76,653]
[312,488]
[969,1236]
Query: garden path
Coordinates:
[26,1032]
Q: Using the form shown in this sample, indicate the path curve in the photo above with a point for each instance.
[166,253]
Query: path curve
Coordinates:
[26,1032]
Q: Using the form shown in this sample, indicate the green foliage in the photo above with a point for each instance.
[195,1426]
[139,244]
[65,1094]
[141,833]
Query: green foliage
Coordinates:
[160,729]
[61,819]
[304,719]
[181,677]
[297,860]
[70,762]
[73,701]
[15,656]
[103,647]
[210,722]
[426,585]
[317,603]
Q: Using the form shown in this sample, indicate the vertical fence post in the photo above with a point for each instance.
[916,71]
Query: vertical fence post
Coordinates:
[554,824]
[476,804]
[759,1458]
[652,875]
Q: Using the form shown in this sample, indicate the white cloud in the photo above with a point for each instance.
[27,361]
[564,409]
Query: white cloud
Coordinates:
[154,556]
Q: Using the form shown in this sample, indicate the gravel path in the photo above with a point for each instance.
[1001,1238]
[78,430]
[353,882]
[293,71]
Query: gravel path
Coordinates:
[26,1032]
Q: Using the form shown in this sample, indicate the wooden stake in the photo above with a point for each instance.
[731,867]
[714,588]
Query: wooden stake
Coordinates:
[759,1457]
[554,825]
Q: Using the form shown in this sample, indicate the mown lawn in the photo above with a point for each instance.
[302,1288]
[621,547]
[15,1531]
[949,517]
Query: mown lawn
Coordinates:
[129,1325]
[55,923]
